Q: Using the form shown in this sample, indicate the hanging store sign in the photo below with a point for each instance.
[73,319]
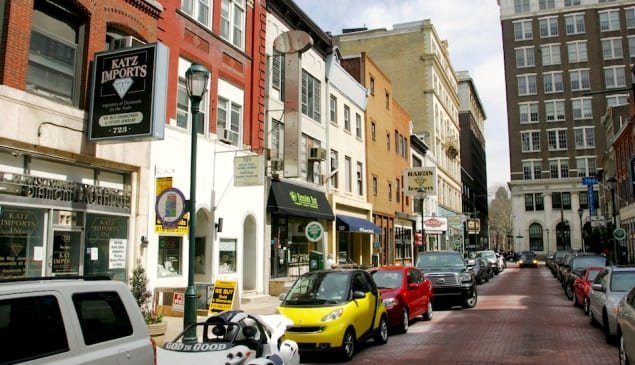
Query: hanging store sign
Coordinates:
[418,178]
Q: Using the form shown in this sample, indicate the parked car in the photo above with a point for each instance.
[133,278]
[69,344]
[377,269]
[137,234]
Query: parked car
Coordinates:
[450,276]
[334,310]
[608,288]
[407,294]
[556,259]
[626,328]
[578,264]
[481,268]
[235,335]
[527,259]
[490,256]
[64,320]
[565,266]
[582,287]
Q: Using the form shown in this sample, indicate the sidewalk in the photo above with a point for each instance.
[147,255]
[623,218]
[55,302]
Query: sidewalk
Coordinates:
[259,305]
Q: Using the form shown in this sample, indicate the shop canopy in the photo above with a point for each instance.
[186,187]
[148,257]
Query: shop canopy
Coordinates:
[299,201]
[346,223]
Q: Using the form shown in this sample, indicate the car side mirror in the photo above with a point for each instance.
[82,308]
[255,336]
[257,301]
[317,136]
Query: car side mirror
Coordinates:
[413,286]
[282,296]
[597,287]
[358,294]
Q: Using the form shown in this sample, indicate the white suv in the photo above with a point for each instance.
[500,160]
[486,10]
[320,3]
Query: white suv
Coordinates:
[71,321]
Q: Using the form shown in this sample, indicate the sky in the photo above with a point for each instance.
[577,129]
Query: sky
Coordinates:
[473,31]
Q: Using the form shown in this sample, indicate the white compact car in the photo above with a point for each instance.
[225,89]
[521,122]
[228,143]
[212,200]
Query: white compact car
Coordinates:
[233,337]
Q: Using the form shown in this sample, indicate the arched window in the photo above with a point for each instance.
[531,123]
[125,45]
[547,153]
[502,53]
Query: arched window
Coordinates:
[536,237]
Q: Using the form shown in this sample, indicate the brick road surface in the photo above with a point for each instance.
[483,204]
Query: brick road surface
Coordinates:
[522,317]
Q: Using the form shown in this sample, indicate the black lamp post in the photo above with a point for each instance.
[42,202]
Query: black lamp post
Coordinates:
[196,82]
[612,181]
[422,194]
[580,212]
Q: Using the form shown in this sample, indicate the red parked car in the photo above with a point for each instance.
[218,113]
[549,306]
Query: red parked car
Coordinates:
[405,292]
[582,287]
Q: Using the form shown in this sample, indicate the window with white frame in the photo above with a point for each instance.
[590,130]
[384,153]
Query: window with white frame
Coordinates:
[548,27]
[229,123]
[557,139]
[532,170]
[550,54]
[581,108]
[375,185]
[614,76]
[521,6]
[574,23]
[359,174]
[577,51]
[586,166]
[579,79]
[615,100]
[629,14]
[276,138]
[526,84]
[546,4]
[333,109]
[347,118]
[334,169]
[358,125]
[55,54]
[197,9]
[525,57]
[609,20]
[183,105]
[631,46]
[612,48]
[528,112]
[552,82]
[522,30]
[558,167]
[571,2]
[348,165]
[232,22]
[554,110]
[277,72]
[584,137]
[311,91]
[530,141]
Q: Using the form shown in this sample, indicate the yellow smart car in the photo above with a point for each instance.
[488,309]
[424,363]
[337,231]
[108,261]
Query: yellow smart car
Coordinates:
[333,310]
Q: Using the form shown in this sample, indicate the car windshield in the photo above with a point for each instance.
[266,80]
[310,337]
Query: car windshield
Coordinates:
[388,279]
[527,256]
[592,275]
[319,288]
[439,259]
[588,261]
[622,280]
[486,254]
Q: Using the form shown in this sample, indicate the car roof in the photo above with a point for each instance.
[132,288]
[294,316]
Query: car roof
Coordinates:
[622,268]
[390,268]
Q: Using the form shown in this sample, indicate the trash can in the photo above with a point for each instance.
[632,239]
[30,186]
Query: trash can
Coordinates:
[316,260]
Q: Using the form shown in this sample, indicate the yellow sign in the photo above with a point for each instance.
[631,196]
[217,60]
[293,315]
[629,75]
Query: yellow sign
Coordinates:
[417,178]
[161,184]
[223,297]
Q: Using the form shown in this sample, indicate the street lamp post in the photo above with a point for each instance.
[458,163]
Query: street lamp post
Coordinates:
[580,212]
[196,83]
[547,241]
[422,194]
[612,184]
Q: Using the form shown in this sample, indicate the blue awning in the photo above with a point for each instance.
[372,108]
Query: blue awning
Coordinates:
[346,223]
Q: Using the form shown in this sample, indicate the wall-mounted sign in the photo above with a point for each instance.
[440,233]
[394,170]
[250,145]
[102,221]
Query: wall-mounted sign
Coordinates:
[248,170]
[435,224]
[128,94]
[170,207]
[314,231]
[473,226]
[417,178]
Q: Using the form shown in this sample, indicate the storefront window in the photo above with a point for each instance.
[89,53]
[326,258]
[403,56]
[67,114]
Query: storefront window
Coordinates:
[106,245]
[21,239]
[227,255]
[169,256]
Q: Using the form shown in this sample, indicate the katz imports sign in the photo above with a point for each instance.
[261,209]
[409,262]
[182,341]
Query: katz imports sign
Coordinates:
[128,94]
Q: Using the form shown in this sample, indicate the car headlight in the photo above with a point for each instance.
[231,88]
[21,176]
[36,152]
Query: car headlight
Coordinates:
[535,261]
[466,277]
[390,302]
[333,315]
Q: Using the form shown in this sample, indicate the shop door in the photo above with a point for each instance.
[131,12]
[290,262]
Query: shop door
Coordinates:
[65,257]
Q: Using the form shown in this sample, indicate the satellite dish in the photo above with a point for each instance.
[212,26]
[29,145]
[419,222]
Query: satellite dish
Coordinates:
[293,41]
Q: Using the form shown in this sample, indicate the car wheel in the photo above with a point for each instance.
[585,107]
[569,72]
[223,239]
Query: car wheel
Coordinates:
[585,305]
[381,334]
[348,344]
[594,321]
[427,316]
[470,301]
[403,325]
[568,291]
[623,357]
[610,339]
[575,300]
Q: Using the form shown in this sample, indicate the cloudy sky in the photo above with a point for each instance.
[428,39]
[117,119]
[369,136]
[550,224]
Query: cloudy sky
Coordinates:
[472,29]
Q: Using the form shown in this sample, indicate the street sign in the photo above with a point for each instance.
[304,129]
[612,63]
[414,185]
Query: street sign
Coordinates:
[589,180]
[619,234]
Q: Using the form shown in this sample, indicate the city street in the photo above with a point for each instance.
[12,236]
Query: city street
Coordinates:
[522,317]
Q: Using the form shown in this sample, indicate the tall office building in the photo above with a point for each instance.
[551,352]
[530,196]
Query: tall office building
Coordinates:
[566,61]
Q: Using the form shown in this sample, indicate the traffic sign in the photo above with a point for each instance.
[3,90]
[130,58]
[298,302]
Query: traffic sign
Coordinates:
[619,234]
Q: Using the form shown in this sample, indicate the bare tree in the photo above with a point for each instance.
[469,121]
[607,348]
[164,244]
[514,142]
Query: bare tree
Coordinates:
[500,223]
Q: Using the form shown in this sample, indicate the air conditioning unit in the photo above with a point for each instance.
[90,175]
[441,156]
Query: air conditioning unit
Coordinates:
[277,165]
[125,42]
[224,135]
[317,154]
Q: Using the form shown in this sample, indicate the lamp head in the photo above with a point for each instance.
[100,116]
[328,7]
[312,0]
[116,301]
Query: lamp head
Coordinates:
[196,80]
